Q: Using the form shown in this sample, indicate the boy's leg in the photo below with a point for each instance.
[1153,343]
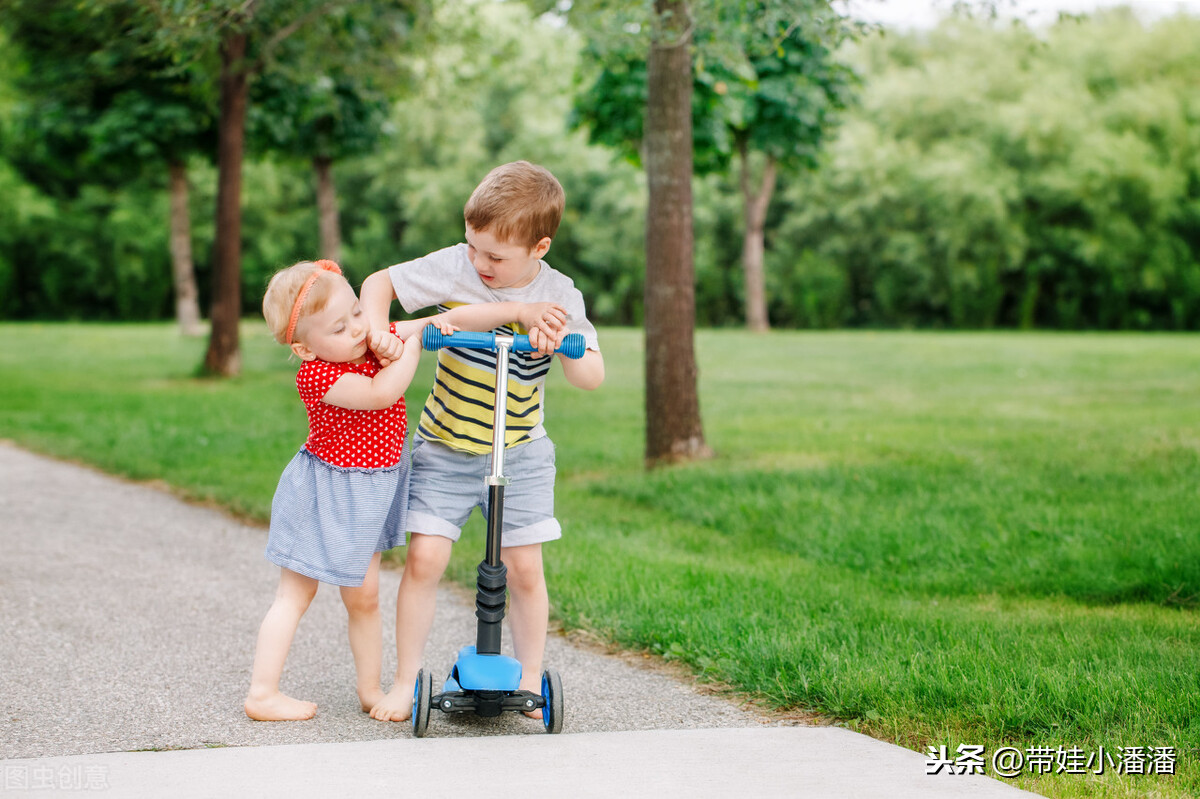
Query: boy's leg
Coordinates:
[528,613]
[366,635]
[265,702]
[416,602]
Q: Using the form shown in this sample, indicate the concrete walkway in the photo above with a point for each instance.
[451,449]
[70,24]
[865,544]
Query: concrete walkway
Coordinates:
[127,626]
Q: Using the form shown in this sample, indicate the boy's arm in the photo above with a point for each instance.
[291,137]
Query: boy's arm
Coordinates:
[547,317]
[587,372]
[378,293]
[375,298]
[481,317]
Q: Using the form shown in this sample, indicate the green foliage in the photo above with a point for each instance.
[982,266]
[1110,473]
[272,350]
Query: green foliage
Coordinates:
[460,120]
[324,91]
[88,256]
[994,177]
[96,104]
[765,74]
[331,116]
[986,176]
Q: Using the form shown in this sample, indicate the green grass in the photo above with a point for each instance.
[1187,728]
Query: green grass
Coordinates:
[986,539]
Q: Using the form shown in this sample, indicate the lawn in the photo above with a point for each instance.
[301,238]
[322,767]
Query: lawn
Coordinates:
[940,539]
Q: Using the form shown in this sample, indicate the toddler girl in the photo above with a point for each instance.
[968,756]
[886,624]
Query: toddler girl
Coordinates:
[343,498]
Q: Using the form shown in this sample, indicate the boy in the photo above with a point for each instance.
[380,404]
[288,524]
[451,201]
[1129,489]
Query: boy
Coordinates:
[511,218]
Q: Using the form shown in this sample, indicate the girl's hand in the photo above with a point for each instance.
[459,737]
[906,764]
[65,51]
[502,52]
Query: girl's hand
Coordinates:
[548,319]
[387,347]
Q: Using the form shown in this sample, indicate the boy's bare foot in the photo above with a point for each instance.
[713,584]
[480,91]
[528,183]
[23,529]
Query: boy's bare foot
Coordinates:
[536,715]
[279,707]
[396,706]
[369,699]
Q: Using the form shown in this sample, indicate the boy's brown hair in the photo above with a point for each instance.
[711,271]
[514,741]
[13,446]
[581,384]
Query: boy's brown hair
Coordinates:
[518,203]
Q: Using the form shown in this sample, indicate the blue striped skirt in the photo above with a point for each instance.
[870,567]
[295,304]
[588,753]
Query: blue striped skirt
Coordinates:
[327,521]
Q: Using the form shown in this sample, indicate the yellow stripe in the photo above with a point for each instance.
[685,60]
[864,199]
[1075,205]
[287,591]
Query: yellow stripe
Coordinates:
[462,403]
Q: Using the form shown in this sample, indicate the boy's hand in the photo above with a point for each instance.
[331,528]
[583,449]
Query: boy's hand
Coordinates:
[387,347]
[546,344]
[439,321]
[547,318]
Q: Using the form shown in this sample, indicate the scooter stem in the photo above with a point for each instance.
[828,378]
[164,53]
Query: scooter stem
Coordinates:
[492,581]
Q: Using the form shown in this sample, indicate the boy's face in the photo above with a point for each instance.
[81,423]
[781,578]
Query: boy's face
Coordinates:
[501,265]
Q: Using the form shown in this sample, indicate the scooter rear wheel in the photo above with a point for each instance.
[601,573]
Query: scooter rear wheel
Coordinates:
[422,699]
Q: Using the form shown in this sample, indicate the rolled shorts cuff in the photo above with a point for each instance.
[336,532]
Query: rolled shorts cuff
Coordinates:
[540,533]
[427,524]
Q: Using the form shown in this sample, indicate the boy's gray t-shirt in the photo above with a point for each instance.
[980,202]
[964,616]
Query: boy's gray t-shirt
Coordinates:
[459,412]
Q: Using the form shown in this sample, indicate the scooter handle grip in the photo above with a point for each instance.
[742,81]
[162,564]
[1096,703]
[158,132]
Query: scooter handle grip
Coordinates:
[573,346]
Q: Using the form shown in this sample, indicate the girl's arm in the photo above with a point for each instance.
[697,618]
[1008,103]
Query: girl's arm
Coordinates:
[361,393]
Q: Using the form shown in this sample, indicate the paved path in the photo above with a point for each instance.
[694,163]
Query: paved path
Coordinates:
[127,626]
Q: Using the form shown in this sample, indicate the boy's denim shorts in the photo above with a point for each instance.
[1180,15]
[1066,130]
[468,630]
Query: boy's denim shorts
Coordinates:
[447,485]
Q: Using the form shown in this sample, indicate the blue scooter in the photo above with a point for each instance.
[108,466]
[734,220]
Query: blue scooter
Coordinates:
[482,680]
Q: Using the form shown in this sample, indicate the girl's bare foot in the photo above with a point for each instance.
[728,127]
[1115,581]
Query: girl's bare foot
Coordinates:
[279,707]
[396,706]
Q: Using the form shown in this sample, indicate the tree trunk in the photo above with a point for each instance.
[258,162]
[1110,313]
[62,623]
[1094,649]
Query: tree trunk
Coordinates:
[183,270]
[673,428]
[224,355]
[757,200]
[327,210]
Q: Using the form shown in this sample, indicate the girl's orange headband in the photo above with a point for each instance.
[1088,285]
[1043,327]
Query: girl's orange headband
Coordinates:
[322,266]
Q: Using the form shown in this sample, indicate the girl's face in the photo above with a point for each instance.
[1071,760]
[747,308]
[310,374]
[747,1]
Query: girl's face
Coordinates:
[337,333]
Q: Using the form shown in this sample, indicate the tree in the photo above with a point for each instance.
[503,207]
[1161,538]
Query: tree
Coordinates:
[781,111]
[101,107]
[248,37]
[673,425]
[766,91]
[323,118]
[224,355]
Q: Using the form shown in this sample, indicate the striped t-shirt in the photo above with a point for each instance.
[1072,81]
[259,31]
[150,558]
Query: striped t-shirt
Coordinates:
[459,410]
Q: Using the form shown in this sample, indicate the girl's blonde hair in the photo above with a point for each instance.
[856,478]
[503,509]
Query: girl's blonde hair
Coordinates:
[285,286]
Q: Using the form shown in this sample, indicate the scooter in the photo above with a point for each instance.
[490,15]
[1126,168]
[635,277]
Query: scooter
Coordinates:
[483,681]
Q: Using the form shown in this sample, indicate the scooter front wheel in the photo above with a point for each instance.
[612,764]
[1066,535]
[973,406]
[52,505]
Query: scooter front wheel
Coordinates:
[552,692]
[422,699]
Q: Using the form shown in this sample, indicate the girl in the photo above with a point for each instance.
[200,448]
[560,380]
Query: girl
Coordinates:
[343,498]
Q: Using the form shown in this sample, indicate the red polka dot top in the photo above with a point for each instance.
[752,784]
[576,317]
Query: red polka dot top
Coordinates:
[346,438]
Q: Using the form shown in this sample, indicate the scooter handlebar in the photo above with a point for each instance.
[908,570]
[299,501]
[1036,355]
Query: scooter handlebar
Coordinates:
[573,346]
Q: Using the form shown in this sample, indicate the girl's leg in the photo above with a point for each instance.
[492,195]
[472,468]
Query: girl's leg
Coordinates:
[265,702]
[366,635]
[528,613]
[416,602]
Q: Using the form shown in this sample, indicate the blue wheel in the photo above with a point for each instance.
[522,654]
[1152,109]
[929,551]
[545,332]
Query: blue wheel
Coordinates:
[422,699]
[552,692]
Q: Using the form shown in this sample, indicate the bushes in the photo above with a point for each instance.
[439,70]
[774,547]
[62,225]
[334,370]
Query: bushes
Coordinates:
[994,178]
